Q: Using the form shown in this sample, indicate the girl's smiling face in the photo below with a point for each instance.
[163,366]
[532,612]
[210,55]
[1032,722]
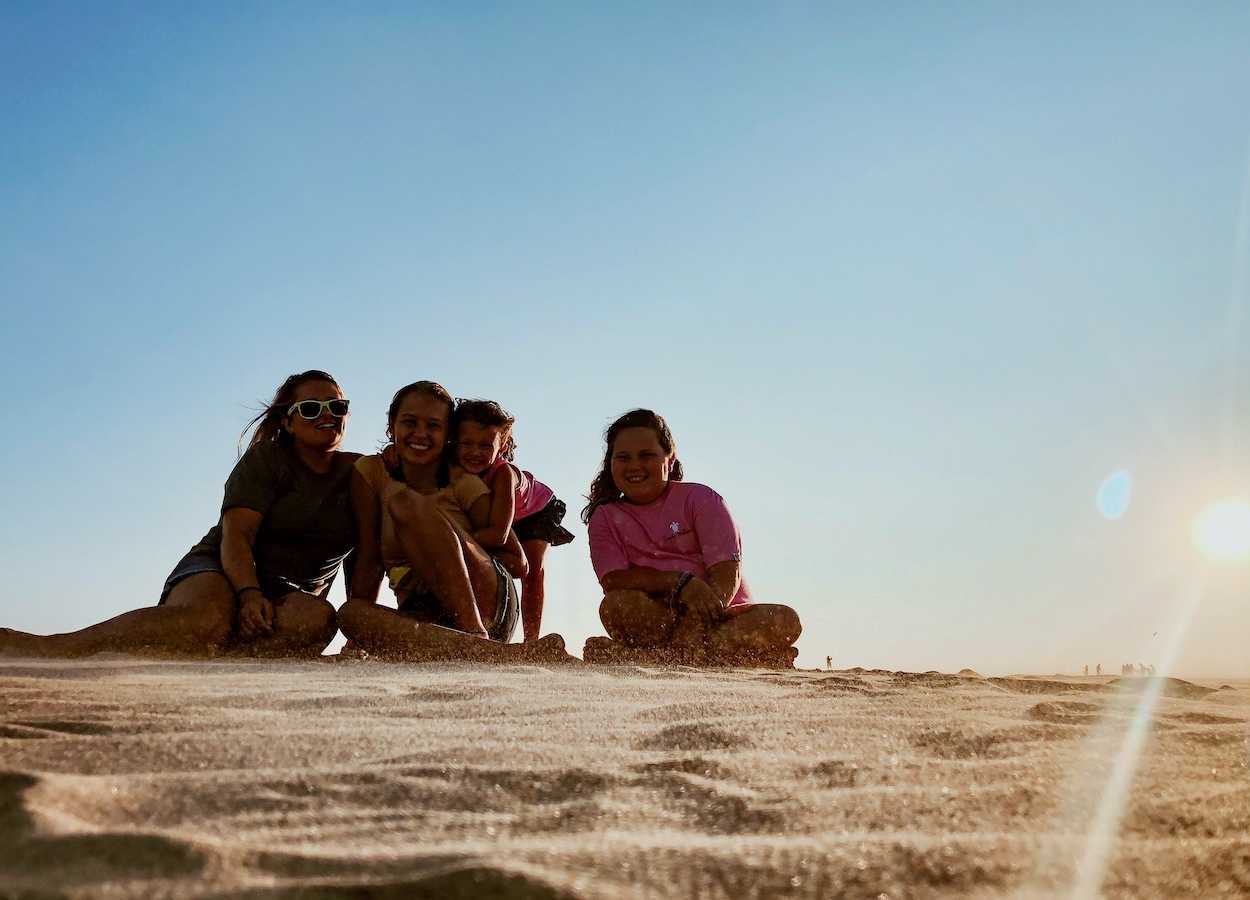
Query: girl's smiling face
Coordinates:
[478,446]
[640,467]
[420,429]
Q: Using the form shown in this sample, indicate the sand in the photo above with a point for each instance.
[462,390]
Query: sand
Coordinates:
[128,778]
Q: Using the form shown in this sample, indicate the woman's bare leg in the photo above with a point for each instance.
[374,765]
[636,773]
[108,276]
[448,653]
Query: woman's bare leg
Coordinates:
[459,572]
[533,589]
[383,632]
[303,625]
[195,620]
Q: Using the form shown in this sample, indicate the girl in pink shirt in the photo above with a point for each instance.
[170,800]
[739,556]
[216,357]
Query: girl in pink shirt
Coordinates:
[521,507]
[668,556]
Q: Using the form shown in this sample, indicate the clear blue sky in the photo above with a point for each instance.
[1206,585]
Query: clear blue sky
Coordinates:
[908,284]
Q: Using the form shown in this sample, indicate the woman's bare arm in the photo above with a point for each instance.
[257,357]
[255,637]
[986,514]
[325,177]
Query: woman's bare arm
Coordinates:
[238,533]
[367,507]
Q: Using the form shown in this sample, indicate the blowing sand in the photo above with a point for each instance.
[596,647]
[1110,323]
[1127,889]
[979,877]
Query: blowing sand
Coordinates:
[122,778]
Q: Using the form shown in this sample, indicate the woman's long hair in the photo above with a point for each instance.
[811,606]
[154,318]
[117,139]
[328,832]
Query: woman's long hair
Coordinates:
[268,422]
[603,489]
[438,392]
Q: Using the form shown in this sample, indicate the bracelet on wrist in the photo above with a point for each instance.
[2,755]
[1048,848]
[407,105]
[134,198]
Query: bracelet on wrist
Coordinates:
[674,596]
[238,595]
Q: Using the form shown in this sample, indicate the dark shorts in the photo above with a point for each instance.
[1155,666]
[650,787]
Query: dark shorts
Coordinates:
[198,563]
[425,607]
[544,525]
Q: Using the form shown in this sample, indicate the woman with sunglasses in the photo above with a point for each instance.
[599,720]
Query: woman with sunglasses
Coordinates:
[257,581]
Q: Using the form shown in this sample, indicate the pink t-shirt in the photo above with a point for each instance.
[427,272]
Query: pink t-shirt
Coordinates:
[531,494]
[686,530]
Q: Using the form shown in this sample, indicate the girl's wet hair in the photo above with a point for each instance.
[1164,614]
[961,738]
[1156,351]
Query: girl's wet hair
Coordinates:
[488,414]
[268,423]
[425,389]
[603,489]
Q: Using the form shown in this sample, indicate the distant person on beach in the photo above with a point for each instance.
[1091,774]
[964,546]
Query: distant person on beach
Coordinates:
[668,557]
[521,507]
[257,581]
[455,601]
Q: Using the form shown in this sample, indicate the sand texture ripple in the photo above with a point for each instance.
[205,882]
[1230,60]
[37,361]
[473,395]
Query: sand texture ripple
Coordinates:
[122,778]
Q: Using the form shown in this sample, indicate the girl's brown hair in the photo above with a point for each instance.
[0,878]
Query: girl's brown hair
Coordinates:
[603,489]
[269,421]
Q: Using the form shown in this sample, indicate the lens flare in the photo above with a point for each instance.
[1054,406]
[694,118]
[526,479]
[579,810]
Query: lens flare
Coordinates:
[1114,495]
[1222,531]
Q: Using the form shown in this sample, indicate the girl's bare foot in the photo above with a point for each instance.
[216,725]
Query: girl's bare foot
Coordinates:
[549,648]
[689,642]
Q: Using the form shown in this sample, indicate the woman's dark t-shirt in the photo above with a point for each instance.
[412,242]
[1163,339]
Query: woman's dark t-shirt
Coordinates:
[307,527]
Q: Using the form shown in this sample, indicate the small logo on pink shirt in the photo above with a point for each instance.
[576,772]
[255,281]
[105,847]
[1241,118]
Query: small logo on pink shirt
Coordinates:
[674,527]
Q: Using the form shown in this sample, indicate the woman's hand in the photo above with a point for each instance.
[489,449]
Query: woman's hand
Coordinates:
[255,616]
[700,600]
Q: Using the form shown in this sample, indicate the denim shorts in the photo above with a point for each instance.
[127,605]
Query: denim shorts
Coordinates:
[199,563]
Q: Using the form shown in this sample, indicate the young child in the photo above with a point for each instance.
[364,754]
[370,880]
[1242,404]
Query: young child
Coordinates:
[519,503]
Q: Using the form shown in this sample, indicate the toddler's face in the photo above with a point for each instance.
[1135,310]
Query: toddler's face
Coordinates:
[477,446]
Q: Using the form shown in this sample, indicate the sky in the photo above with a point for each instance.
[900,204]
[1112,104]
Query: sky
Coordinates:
[908,283]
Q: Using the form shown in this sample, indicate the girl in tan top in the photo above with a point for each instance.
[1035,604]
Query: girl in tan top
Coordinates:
[413,526]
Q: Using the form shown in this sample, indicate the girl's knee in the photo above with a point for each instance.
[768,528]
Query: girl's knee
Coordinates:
[618,604]
[786,623]
[634,618]
[408,507]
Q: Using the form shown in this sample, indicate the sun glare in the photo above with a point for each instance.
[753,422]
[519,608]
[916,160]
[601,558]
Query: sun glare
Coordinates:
[1222,530]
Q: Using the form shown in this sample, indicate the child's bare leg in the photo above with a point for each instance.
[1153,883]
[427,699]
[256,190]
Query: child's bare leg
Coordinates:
[637,619]
[435,549]
[533,588]
[303,625]
[755,628]
[195,620]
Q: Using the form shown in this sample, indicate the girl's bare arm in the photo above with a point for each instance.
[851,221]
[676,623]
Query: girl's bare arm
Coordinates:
[640,578]
[725,578]
[494,525]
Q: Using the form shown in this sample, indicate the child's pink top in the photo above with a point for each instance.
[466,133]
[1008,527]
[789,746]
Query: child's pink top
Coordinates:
[531,494]
[687,529]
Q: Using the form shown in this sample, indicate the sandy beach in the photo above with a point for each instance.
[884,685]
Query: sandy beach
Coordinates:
[129,778]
